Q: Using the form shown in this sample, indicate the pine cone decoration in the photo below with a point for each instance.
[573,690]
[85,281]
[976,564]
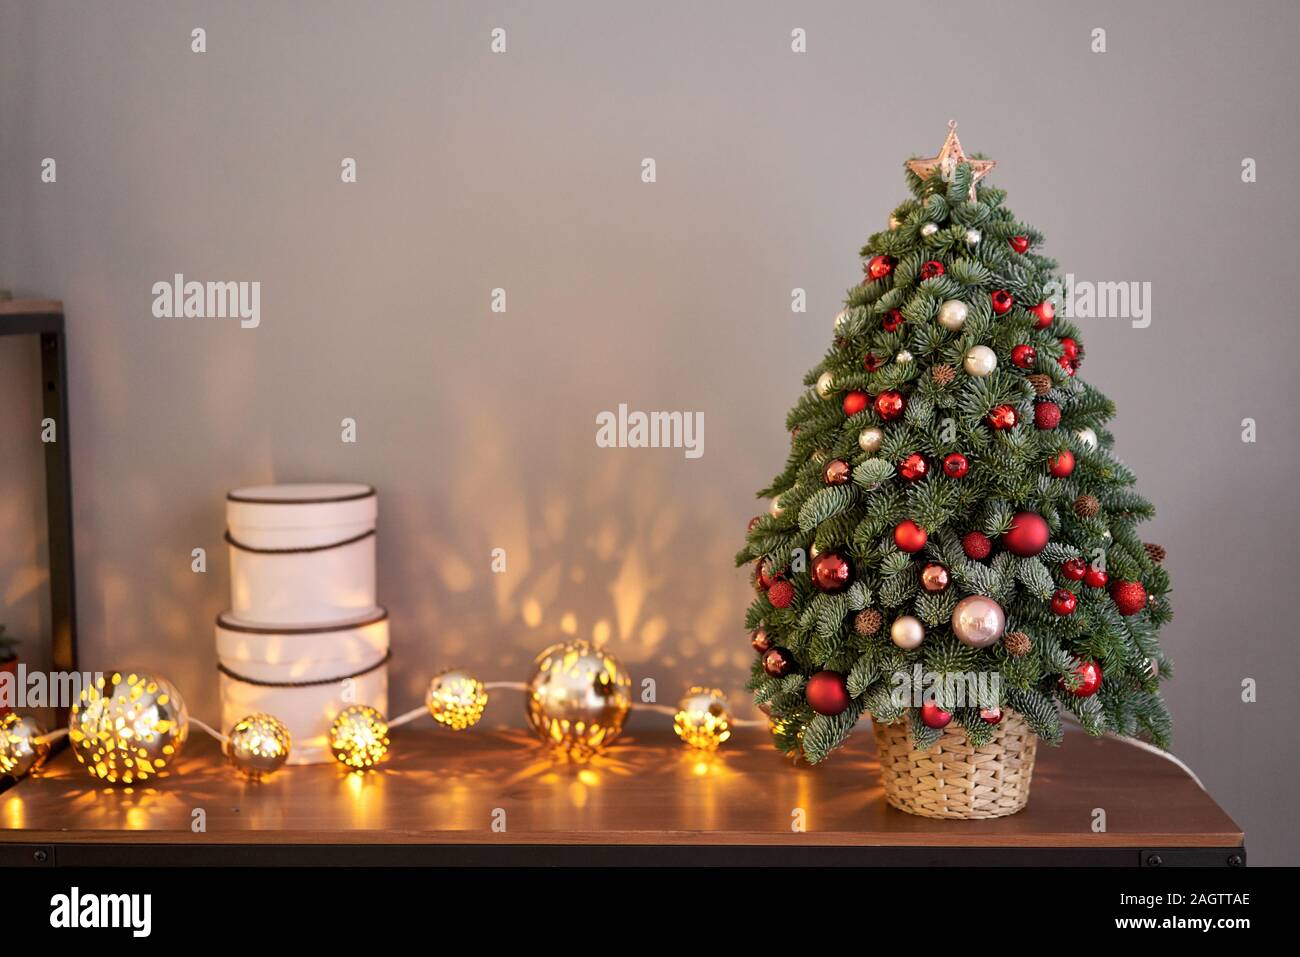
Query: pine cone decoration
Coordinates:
[943,374]
[1086,506]
[1042,383]
[867,622]
[1017,643]
[1156,552]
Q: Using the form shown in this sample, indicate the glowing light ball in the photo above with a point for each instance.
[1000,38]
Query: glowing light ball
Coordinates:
[258,745]
[702,718]
[578,698]
[128,729]
[456,698]
[358,737]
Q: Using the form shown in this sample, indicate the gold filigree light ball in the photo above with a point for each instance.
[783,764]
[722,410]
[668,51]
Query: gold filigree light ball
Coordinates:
[359,737]
[456,698]
[702,719]
[258,745]
[21,748]
[128,728]
[578,698]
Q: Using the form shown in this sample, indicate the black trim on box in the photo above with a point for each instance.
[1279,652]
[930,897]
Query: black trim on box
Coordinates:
[231,624]
[253,500]
[230,540]
[304,684]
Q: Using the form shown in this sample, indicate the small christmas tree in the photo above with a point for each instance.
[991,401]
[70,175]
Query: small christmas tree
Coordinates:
[950,511]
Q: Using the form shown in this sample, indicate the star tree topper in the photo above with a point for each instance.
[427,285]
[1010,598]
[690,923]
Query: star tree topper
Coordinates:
[949,158]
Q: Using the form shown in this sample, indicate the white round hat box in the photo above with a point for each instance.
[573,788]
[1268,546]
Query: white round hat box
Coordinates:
[301,554]
[304,676]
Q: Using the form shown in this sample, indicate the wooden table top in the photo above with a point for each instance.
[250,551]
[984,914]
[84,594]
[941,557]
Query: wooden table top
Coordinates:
[444,788]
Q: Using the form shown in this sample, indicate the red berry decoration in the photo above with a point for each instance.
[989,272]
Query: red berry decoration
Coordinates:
[932,716]
[1002,302]
[1074,569]
[1027,535]
[1095,578]
[781,594]
[831,572]
[1003,417]
[909,536]
[1043,314]
[1069,367]
[1070,349]
[854,402]
[890,404]
[1089,674]
[1061,464]
[913,467]
[1020,244]
[827,692]
[878,267]
[976,545]
[1024,356]
[871,362]
[931,269]
[1047,415]
[1064,602]
[955,465]
[778,662]
[1130,597]
[991,715]
[892,320]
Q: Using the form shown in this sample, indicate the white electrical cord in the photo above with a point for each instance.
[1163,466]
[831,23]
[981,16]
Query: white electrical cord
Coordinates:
[1146,747]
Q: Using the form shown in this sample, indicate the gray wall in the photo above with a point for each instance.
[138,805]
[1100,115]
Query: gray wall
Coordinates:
[522,171]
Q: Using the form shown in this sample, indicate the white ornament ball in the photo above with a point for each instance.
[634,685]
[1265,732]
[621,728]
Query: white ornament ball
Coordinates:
[907,632]
[774,508]
[825,385]
[870,440]
[929,229]
[973,236]
[1087,437]
[980,361]
[894,222]
[840,318]
[978,621]
[903,356]
[952,314]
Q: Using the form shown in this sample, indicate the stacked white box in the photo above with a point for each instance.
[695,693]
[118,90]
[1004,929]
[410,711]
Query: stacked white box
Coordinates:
[304,638]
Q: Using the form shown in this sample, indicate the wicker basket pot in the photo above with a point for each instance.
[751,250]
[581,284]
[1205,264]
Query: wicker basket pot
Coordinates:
[954,780]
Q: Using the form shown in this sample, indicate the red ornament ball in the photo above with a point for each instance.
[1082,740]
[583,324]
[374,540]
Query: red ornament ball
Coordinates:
[827,692]
[763,577]
[1024,356]
[976,545]
[931,269]
[909,536]
[1063,602]
[1047,415]
[837,472]
[991,715]
[1027,535]
[778,662]
[1003,417]
[932,716]
[1002,302]
[854,402]
[955,465]
[753,522]
[1043,314]
[781,594]
[1095,578]
[890,404]
[1061,464]
[1074,569]
[913,467]
[1089,673]
[1130,597]
[760,640]
[892,321]
[1070,349]
[1070,367]
[878,267]
[871,362]
[1020,244]
[831,571]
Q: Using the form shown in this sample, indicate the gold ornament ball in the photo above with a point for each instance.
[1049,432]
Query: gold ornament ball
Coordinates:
[980,361]
[907,632]
[128,728]
[702,719]
[840,318]
[775,508]
[456,698]
[952,314]
[21,748]
[871,439]
[825,385]
[978,621]
[258,745]
[359,737]
[578,698]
